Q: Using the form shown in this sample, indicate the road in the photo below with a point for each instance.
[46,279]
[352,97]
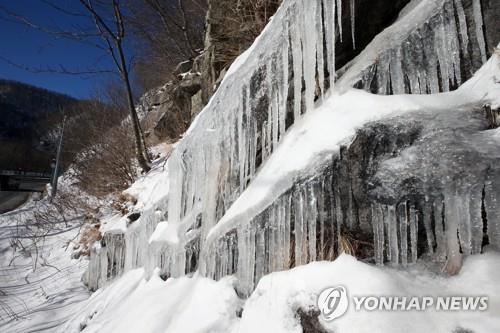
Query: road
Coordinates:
[11,200]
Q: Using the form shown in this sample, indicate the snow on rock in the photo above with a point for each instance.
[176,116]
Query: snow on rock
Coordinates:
[307,147]
[133,304]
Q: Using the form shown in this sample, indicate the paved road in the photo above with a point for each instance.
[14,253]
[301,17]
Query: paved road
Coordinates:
[12,200]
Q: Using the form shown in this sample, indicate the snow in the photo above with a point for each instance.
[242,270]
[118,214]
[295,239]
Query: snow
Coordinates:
[273,305]
[133,304]
[152,187]
[38,297]
[197,304]
[114,224]
[164,233]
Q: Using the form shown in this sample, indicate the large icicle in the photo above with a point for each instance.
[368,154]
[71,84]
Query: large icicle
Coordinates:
[353,23]
[478,22]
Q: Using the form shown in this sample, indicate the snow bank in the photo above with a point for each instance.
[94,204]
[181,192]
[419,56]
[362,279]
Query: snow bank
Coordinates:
[132,304]
[196,304]
[273,305]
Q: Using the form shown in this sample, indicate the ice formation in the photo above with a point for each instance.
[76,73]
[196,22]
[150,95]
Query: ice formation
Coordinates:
[236,133]
[219,167]
[426,51]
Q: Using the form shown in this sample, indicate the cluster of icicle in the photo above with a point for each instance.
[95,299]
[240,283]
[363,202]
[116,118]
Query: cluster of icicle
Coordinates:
[428,59]
[303,225]
[237,132]
[279,78]
[293,225]
[453,224]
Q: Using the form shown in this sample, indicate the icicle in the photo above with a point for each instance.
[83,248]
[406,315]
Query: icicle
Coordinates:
[443,54]
[308,36]
[312,216]
[428,230]
[439,230]
[330,39]
[299,229]
[287,209]
[260,254]
[319,50]
[393,234]
[464,224]
[476,219]
[403,232]
[464,33]
[353,23]
[321,215]
[275,122]
[396,73]
[478,22]
[413,234]
[378,233]
[242,146]
[339,216]
[297,71]
[283,90]
[492,207]
[339,17]
[453,47]
[451,208]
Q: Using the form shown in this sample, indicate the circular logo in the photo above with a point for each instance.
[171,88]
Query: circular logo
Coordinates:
[333,302]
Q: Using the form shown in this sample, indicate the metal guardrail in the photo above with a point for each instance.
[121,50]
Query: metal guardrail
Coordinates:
[27,174]
[23,181]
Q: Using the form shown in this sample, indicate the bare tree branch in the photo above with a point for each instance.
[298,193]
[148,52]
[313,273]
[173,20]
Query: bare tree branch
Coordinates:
[60,70]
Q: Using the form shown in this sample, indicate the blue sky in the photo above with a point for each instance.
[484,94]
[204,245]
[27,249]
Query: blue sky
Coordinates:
[29,47]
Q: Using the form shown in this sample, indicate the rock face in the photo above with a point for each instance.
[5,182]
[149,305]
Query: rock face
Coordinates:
[169,110]
[381,186]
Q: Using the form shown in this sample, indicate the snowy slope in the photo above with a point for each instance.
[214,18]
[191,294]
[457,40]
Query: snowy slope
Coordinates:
[43,298]
[133,304]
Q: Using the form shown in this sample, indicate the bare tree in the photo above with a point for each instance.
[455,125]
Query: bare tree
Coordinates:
[113,39]
[105,30]
[168,32]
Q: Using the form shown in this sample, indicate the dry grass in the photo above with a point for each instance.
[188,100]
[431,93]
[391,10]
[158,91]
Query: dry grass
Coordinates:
[235,25]
[122,203]
[90,235]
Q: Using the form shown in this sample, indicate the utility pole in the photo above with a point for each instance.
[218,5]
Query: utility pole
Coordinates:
[55,175]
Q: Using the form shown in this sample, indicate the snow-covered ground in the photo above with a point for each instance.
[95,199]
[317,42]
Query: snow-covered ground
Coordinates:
[42,297]
[197,304]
